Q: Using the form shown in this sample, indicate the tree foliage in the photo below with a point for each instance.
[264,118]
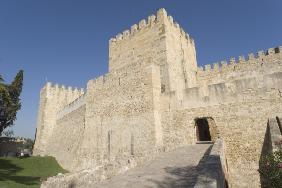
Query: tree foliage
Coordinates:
[10,100]
[29,144]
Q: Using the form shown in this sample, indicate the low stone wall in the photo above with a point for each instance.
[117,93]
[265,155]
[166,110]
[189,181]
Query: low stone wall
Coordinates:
[214,172]
[275,136]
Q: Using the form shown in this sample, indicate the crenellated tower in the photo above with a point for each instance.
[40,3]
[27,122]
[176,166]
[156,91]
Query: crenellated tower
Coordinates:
[165,43]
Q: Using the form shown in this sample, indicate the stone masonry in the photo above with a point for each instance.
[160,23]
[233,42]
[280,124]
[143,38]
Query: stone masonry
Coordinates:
[149,100]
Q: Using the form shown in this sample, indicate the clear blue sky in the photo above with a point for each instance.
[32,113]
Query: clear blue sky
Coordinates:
[67,41]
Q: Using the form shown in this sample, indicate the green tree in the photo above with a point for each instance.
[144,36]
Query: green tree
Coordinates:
[2,85]
[28,144]
[10,101]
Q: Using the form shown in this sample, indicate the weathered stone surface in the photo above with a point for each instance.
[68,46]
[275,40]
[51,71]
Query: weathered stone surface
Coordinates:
[178,168]
[149,100]
[212,174]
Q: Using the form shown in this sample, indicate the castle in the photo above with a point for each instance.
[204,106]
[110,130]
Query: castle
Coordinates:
[155,99]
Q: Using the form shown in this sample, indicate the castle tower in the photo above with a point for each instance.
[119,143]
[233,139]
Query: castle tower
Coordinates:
[165,43]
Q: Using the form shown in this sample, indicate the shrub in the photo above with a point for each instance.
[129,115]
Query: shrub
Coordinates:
[271,169]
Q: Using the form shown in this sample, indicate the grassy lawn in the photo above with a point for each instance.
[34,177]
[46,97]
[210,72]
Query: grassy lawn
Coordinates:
[27,172]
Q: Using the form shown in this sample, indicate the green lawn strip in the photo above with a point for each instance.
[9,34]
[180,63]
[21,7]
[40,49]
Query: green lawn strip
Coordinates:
[27,172]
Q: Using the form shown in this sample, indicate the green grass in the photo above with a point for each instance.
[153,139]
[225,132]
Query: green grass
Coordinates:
[27,172]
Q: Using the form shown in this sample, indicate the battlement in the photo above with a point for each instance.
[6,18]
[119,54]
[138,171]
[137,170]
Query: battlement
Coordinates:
[77,103]
[160,17]
[159,38]
[60,94]
[184,34]
[259,58]
[61,88]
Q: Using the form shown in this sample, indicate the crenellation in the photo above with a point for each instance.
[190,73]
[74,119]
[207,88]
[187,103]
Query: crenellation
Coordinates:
[70,89]
[241,59]
[232,61]
[260,54]
[125,34]
[119,37]
[192,41]
[57,86]
[216,66]
[161,14]
[251,57]
[187,37]
[200,71]
[142,24]
[56,90]
[170,19]
[112,40]
[223,64]
[200,68]
[151,19]
[176,25]
[182,32]
[207,67]
[134,28]
[242,63]
[270,51]
[49,85]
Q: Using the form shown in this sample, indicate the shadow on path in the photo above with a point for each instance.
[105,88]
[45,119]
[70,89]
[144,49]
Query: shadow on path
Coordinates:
[182,176]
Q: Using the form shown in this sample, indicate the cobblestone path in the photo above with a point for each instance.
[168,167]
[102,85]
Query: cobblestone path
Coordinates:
[178,168]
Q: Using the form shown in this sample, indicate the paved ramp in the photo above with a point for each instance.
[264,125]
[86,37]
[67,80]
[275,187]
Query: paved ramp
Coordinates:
[178,168]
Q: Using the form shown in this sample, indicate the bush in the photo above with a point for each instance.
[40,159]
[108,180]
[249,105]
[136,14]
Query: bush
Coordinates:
[271,169]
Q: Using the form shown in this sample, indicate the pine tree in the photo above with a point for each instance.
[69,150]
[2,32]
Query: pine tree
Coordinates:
[10,101]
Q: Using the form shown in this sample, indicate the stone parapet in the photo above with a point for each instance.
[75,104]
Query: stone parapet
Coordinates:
[214,169]
[147,23]
[77,103]
[272,55]
[275,134]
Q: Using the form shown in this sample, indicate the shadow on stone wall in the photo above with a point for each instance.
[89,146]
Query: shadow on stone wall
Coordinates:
[72,185]
[182,176]
[266,149]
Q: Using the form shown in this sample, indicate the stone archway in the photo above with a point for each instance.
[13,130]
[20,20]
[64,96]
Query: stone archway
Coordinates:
[206,129]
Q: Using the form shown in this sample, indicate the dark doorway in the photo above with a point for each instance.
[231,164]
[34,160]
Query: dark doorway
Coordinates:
[202,129]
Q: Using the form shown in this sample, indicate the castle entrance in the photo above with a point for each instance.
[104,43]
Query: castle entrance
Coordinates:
[203,129]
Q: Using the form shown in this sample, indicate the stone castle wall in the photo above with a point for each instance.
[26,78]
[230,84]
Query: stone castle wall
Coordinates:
[65,148]
[119,117]
[242,126]
[53,98]
[240,98]
[149,100]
